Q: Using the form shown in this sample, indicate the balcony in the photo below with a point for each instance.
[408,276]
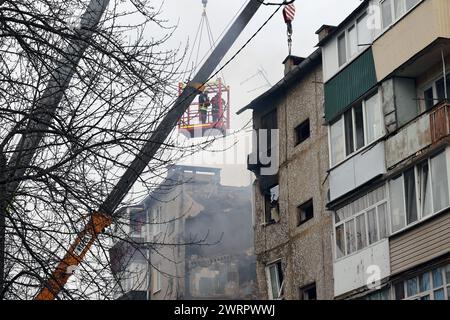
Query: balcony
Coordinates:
[423,131]
[419,36]
[357,170]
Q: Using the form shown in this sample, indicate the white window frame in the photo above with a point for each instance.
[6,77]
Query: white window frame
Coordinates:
[156,278]
[394,18]
[269,279]
[354,216]
[366,144]
[360,48]
[420,216]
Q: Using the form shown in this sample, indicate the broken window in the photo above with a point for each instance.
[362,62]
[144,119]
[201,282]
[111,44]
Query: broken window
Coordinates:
[275,280]
[308,292]
[305,212]
[272,207]
[303,131]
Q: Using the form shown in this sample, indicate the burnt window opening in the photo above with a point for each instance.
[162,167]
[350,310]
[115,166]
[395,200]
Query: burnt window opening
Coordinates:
[271,205]
[305,212]
[269,122]
[308,292]
[275,280]
[303,132]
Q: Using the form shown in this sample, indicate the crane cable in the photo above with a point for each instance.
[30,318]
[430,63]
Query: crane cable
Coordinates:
[204,23]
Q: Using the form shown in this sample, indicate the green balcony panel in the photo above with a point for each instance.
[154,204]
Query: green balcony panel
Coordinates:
[349,85]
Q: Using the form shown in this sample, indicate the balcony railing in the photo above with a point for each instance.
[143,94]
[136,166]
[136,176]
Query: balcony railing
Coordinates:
[440,122]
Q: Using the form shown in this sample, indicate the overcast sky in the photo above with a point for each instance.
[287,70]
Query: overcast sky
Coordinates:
[266,51]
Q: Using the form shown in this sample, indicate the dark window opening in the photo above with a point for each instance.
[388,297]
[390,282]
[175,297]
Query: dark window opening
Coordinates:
[269,123]
[349,144]
[303,131]
[429,99]
[305,212]
[271,205]
[308,292]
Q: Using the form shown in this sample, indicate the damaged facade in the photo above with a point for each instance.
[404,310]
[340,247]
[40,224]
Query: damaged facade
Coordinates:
[198,240]
[292,226]
[386,83]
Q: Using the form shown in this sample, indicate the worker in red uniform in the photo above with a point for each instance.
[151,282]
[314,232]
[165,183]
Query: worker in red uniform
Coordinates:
[215,106]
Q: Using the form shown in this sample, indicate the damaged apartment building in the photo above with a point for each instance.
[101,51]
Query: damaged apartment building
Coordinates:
[359,206]
[191,238]
[290,159]
[386,83]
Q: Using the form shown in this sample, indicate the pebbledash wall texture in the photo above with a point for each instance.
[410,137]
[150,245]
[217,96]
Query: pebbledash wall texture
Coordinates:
[301,243]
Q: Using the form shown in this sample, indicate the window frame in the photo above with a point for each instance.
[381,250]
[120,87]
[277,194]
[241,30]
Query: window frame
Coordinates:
[354,216]
[341,118]
[307,204]
[297,129]
[420,216]
[304,289]
[156,286]
[394,18]
[277,264]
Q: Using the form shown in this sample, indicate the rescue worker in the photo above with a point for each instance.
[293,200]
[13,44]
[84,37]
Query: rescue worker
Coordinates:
[203,104]
[215,106]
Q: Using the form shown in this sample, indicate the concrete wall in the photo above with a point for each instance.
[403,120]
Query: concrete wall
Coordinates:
[305,250]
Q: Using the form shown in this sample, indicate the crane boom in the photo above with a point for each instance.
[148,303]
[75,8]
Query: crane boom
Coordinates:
[104,216]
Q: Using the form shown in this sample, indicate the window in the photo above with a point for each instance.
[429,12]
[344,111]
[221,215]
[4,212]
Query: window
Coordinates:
[349,135]
[397,204]
[337,147]
[429,98]
[271,205]
[156,220]
[303,131]
[308,292]
[275,280]
[305,212]
[386,11]
[352,41]
[393,10]
[365,35]
[374,118]
[417,193]
[269,123]
[342,50]
[137,221]
[156,279]
[430,285]
[357,127]
[361,223]
[440,182]
[437,92]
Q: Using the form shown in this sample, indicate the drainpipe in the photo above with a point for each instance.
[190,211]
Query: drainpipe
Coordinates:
[444,71]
